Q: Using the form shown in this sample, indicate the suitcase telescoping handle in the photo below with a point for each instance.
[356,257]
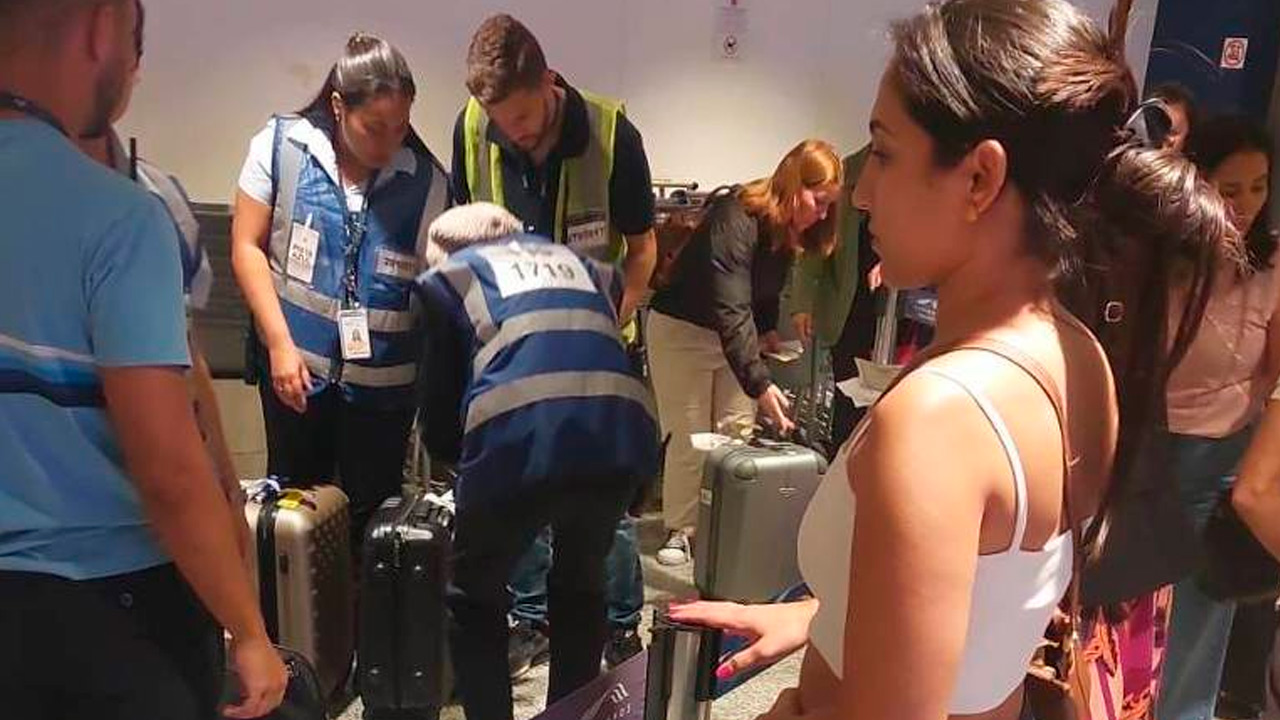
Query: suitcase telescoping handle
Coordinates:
[886,329]
[267,494]
[683,659]
[807,415]
[680,676]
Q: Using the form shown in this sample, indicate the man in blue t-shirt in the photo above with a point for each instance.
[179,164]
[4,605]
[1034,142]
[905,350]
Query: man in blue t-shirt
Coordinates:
[118,557]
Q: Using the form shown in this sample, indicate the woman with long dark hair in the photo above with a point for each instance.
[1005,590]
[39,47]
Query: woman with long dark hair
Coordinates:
[330,218]
[1002,156]
[1215,398]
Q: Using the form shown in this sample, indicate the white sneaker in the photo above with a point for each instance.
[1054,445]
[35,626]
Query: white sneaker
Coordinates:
[676,550]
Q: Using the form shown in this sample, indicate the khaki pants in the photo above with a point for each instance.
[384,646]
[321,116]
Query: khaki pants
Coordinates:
[696,392]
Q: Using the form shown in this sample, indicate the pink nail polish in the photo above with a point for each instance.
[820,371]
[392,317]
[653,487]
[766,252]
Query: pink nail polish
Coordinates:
[724,672]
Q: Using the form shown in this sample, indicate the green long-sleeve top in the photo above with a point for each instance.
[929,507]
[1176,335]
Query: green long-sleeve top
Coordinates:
[825,286]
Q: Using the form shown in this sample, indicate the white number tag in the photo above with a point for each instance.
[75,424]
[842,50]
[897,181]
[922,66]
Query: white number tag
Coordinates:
[304,244]
[520,269]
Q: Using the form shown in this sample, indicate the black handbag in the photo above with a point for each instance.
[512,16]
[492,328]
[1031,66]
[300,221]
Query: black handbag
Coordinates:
[1236,566]
[303,698]
[1149,541]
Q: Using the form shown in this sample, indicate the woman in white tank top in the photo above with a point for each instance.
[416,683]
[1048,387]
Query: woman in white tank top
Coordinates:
[1005,145]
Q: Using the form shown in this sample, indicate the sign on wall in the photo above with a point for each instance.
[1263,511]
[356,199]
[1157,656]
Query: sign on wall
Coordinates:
[1234,51]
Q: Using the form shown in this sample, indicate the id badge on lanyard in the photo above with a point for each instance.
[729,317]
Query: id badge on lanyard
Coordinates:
[353,329]
[353,320]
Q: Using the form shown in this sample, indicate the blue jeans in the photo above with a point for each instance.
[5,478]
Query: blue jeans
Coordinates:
[624,581]
[1199,626]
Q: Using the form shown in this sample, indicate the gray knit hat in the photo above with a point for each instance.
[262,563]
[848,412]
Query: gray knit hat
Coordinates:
[465,225]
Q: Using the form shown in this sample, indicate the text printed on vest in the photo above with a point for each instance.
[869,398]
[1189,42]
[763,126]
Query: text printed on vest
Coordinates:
[588,234]
[397,265]
[519,270]
[304,245]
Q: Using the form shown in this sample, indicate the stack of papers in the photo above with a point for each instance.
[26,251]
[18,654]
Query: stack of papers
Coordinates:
[875,375]
[788,351]
[861,395]
[871,381]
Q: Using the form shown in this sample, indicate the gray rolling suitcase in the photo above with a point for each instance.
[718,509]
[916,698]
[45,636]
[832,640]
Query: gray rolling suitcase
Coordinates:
[752,501]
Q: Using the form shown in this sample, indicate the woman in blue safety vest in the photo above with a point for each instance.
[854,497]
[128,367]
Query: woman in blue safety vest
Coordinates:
[332,208]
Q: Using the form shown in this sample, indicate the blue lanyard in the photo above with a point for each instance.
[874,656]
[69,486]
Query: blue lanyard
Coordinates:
[10,101]
[355,226]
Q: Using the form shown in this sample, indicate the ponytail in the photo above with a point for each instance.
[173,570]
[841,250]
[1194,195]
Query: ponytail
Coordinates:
[1153,233]
[1151,242]
[369,67]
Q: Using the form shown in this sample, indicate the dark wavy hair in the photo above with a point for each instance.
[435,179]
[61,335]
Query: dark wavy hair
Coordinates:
[1210,145]
[1120,221]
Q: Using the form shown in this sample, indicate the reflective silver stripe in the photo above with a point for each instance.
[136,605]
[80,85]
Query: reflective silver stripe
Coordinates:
[551,386]
[391,321]
[166,188]
[438,198]
[304,297]
[318,365]
[467,285]
[379,377]
[607,274]
[437,203]
[385,321]
[538,321]
[288,170]
[374,377]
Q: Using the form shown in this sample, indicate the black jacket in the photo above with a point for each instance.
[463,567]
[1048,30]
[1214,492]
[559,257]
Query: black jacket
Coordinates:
[728,279]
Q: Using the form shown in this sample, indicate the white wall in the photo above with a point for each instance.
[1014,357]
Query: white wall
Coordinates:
[214,72]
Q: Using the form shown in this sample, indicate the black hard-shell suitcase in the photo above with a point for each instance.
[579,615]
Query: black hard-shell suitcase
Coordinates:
[404,669]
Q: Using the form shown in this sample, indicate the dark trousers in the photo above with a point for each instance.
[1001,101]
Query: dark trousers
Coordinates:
[1244,675]
[131,646]
[489,538]
[624,579]
[361,448]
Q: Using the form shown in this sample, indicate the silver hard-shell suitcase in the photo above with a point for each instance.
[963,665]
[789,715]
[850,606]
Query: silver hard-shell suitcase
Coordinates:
[752,500]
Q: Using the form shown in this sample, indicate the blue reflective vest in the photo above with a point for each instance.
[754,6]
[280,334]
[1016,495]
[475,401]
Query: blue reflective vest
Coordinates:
[197,275]
[363,260]
[550,394]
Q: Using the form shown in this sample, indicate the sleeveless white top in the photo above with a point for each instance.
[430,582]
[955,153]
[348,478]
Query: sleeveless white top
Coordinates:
[1014,592]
